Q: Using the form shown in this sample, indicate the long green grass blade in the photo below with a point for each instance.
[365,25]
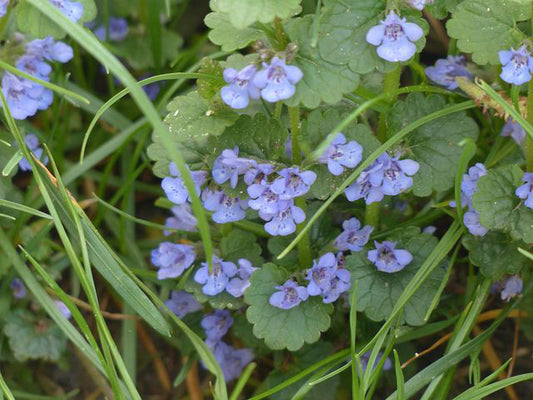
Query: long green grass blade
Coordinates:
[23,208]
[482,393]
[5,388]
[400,382]
[12,163]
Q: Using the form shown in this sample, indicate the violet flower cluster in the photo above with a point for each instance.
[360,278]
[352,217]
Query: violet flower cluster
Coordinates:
[225,276]
[340,154]
[3,7]
[387,258]
[274,82]
[468,188]
[182,303]
[35,147]
[525,192]
[353,237]
[232,361]
[447,69]
[514,130]
[394,38]
[517,65]
[118,30]
[328,278]
[24,97]
[385,176]
[172,259]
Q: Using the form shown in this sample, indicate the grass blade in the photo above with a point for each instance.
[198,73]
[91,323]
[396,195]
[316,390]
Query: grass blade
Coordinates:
[400,383]
[22,207]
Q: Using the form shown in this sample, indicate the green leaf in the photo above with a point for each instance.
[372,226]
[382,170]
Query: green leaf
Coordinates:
[322,80]
[243,13]
[440,8]
[377,292]
[494,254]
[32,337]
[484,27]
[227,36]
[343,28]
[435,145]
[137,50]
[499,208]
[208,88]
[191,120]
[31,20]
[259,136]
[239,244]
[283,328]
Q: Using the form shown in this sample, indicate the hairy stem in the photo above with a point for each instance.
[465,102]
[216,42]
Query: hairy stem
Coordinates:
[304,246]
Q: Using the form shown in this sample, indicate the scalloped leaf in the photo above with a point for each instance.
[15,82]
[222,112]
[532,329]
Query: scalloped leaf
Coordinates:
[499,208]
[32,337]
[494,254]
[377,291]
[243,13]
[484,27]
[31,20]
[322,80]
[227,36]
[280,329]
[435,145]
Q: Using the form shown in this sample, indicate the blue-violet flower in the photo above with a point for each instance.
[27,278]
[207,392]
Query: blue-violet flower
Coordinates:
[389,259]
[18,288]
[525,192]
[172,259]
[175,188]
[514,130]
[183,219]
[289,295]
[276,81]
[225,209]
[340,154]
[292,183]
[512,288]
[240,88]
[217,281]
[394,37]
[517,65]
[353,237]
[217,324]
[447,69]
[182,303]
[238,285]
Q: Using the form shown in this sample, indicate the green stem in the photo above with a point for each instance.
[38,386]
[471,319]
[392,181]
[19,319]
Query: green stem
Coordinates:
[528,144]
[391,83]
[304,246]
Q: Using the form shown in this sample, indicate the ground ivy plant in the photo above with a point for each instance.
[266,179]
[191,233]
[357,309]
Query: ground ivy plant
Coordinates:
[342,179]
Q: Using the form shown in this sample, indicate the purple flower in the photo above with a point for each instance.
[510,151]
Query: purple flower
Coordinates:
[447,69]
[525,192]
[385,176]
[238,285]
[225,209]
[353,237]
[388,259]
[172,259]
[512,287]
[394,37]
[327,279]
[35,66]
[395,174]
[182,303]
[62,307]
[284,222]
[217,324]
[33,144]
[289,295]
[232,361]
[292,183]
[257,173]
[515,130]
[71,9]
[18,289]
[49,49]
[469,184]
[118,30]
[517,65]
[430,229]
[183,219]
[217,281]
[277,80]
[387,365]
[174,186]
[240,87]
[3,7]
[264,200]
[419,4]
[228,166]
[339,155]
[22,98]
[472,223]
